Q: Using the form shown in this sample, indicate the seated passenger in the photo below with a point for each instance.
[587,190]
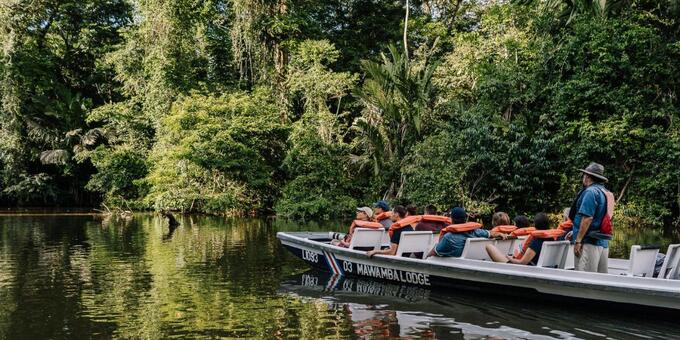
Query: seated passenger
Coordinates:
[451,244]
[521,221]
[500,218]
[383,213]
[531,250]
[411,210]
[430,225]
[363,214]
[398,214]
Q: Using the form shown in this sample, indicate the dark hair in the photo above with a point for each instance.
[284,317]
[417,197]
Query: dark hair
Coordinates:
[400,210]
[431,210]
[541,221]
[521,221]
[411,209]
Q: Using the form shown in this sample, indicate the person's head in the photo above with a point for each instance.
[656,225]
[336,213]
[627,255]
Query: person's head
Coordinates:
[398,213]
[430,210]
[565,213]
[521,221]
[500,218]
[381,207]
[541,221]
[458,215]
[411,210]
[592,174]
[364,214]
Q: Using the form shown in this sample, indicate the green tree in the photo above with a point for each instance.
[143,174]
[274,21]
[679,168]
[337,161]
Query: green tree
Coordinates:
[317,162]
[218,154]
[396,96]
[51,76]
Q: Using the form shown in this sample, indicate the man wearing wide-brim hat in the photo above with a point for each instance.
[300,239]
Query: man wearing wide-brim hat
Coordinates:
[591,253]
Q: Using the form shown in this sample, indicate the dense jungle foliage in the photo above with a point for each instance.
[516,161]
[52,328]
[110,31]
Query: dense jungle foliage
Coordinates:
[307,108]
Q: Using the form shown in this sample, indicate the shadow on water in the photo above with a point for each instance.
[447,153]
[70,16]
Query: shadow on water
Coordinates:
[84,277]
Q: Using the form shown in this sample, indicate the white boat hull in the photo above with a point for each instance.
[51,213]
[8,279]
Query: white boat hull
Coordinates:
[489,277]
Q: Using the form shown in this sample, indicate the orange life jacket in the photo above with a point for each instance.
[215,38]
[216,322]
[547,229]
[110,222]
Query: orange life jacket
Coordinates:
[460,228]
[523,231]
[505,229]
[436,218]
[383,216]
[553,234]
[404,222]
[566,225]
[364,224]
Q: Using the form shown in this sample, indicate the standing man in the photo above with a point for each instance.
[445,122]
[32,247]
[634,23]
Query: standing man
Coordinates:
[591,249]
[383,213]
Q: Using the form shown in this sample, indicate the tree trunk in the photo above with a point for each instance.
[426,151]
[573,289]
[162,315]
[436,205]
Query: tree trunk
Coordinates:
[406,30]
[280,62]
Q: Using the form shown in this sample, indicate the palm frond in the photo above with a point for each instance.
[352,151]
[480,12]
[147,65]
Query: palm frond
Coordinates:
[58,156]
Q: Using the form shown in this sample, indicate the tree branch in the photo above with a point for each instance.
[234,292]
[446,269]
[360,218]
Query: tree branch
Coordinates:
[625,186]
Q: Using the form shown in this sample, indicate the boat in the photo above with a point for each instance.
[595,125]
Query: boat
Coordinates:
[615,288]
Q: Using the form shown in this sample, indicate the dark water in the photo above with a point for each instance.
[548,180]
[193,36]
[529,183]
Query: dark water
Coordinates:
[82,277]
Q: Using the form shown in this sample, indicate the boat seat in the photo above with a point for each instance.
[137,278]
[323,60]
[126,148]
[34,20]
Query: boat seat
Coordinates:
[386,240]
[435,237]
[507,246]
[569,261]
[475,249]
[553,254]
[367,238]
[642,261]
[415,242]
[669,269]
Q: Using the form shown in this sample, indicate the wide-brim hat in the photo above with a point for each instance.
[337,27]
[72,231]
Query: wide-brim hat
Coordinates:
[595,170]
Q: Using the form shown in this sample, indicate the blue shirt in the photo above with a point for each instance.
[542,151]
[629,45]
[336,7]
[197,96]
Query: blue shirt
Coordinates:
[592,203]
[452,244]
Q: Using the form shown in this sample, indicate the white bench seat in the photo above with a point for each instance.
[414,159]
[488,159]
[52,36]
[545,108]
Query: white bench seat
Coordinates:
[367,238]
[508,246]
[670,268]
[475,249]
[642,261]
[415,242]
[553,254]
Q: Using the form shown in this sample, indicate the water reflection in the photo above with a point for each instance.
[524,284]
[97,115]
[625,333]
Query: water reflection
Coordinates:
[381,308]
[83,277]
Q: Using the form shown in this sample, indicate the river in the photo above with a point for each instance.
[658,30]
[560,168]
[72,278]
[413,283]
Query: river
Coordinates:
[85,276]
